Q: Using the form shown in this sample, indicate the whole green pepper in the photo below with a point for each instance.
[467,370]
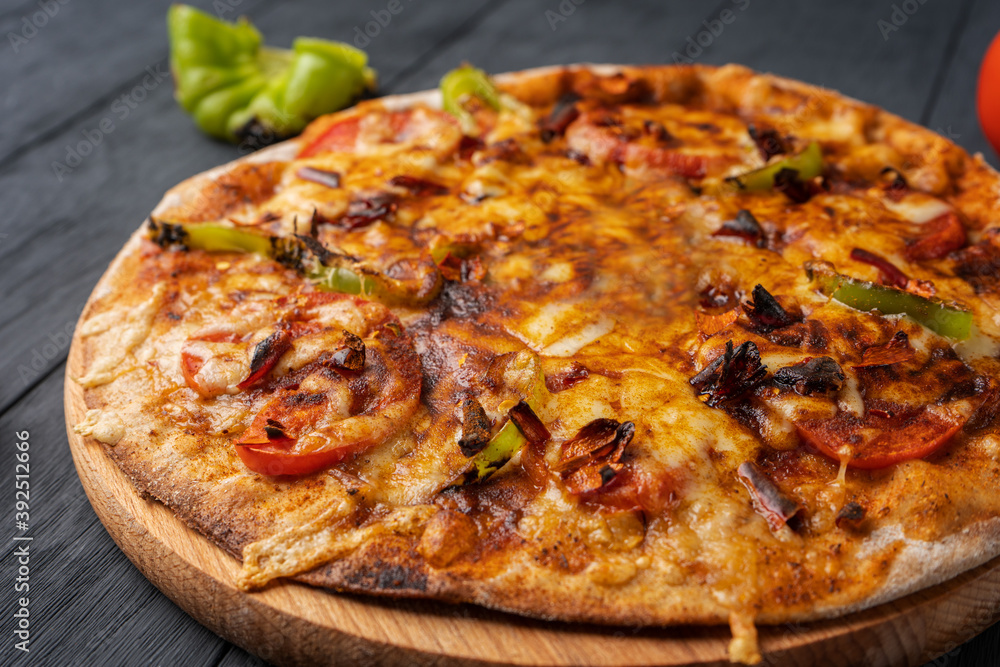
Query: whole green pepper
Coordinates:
[941,318]
[236,88]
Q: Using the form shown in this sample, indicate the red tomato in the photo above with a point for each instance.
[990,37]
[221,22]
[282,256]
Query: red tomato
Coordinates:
[988,97]
[284,460]
[887,434]
[341,136]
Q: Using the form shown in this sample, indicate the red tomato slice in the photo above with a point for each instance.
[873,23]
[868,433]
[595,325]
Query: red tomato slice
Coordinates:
[341,136]
[269,445]
[988,95]
[284,419]
[887,434]
[283,460]
[945,234]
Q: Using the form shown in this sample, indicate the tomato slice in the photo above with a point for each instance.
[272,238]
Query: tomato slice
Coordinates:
[887,434]
[945,234]
[340,137]
[283,460]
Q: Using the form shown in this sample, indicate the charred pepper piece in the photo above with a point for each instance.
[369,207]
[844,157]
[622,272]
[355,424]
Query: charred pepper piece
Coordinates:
[328,271]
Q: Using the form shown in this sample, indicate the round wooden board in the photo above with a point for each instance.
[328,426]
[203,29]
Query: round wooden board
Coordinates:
[294,624]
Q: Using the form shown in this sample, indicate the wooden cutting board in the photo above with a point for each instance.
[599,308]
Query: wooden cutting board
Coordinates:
[294,624]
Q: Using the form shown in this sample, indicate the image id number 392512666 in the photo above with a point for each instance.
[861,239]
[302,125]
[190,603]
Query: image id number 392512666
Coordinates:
[22,487]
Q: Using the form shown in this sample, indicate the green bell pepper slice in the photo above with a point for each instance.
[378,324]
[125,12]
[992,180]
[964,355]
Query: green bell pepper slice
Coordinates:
[809,164]
[330,272]
[525,374]
[460,84]
[234,87]
[948,320]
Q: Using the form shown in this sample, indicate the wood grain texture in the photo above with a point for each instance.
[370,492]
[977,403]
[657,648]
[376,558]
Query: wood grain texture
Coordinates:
[293,624]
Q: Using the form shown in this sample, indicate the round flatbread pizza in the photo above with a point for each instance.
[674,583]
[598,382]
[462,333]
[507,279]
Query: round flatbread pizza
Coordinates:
[625,345]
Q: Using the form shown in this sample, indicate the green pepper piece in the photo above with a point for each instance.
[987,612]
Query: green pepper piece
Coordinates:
[809,164]
[218,238]
[942,318]
[461,83]
[526,368]
[330,273]
[229,82]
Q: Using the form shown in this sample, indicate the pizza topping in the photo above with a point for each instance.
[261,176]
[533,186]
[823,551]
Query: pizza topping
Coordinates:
[413,283]
[896,350]
[979,264]
[731,375]
[330,179]
[351,357]
[807,165]
[768,141]
[593,440]
[266,356]
[893,183]
[333,393]
[890,274]
[850,516]
[365,209]
[770,502]
[941,318]
[418,187]
[592,458]
[813,375]
[788,183]
[944,234]
[519,373]
[563,113]
[467,146]
[744,226]
[461,87]
[888,433]
[528,423]
[607,138]
[458,269]
[557,382]
[764,311]
[476,428]
[709,325]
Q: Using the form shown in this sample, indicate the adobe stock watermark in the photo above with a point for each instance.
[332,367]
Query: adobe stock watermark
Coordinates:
[382,19]
[562,12]
[696,44]
[40,356]
[223,7]
[121,109]
[21,556]
[898,17]
[32,23]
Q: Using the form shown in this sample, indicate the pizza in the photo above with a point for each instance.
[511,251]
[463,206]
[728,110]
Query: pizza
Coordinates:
[625,345]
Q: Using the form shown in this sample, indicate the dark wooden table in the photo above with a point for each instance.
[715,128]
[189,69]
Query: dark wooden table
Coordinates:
[91,138]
